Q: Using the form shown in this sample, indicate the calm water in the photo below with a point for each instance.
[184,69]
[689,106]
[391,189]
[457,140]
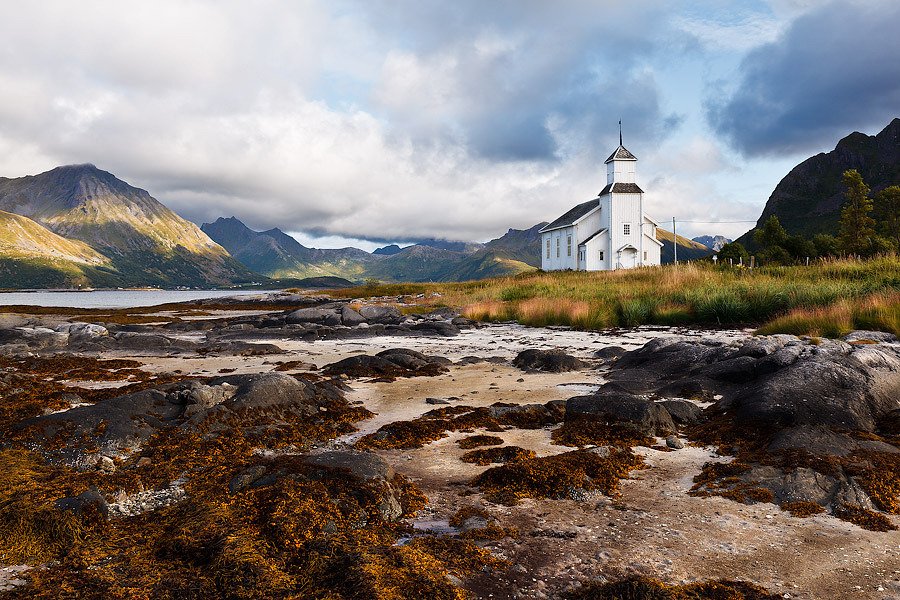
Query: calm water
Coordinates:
[114,298]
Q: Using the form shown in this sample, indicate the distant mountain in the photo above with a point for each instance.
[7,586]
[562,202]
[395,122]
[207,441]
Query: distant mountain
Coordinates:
[274,253]
[144,242]
[687,249]
[713,242]
[387,250]
[808,200]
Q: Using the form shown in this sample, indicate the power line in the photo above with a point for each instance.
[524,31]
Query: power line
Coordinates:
[713,222]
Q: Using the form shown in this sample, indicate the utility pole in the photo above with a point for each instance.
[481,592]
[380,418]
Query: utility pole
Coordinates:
[674,240]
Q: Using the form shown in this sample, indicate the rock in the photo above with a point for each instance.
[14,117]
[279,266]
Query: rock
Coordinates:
[364,465]
[436,401]
[80,333]
[551,361]
[870,336]
[683,412]
[386,315]
[396,362]
[739,369]
[674,442]
[245,478]
[529,416]
[350,317]
[644,417]
[310,315]
[90,503]
[610,353]
[268,390]
[106,464]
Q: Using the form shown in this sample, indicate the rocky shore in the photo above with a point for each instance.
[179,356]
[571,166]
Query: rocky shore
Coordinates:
[295,446]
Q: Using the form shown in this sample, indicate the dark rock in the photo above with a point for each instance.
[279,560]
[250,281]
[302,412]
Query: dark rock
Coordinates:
[350,317]
[89,503]
[309,315]
[739,369]
[674,442]
[683,412]
[529,416]
[551,361]
[386,315]
[363,465]
[645,417]
[245,478]
[396,362]
[610,353]
[436,401]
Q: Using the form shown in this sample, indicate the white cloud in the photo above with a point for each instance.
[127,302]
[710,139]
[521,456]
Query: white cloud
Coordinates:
[374,120]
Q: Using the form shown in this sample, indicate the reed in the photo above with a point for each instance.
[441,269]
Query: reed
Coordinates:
[825,298]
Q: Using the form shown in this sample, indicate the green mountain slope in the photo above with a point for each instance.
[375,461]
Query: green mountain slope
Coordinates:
[145,242]
[808,200]
[687,249]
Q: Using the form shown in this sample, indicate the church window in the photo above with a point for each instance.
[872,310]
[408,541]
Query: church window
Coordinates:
[569,245]
[600,255]
[626,229]
[557,247]
[548,247]
[645,255]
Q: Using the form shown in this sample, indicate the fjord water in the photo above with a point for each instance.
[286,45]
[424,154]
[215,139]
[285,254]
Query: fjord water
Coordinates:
[112,298]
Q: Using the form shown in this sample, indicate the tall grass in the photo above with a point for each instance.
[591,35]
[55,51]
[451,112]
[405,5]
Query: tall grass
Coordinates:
[695,293]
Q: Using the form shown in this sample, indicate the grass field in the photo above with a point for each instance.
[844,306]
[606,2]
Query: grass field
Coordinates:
[827,298]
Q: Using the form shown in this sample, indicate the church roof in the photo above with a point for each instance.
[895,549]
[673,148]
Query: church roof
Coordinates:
[622,188]
[572,215]
[595,234]
[620,153]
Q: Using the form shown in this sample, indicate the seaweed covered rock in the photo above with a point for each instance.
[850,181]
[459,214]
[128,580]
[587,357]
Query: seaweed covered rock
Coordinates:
[396,362]
[551,361]
[114,425]
[642,416]
[810,421]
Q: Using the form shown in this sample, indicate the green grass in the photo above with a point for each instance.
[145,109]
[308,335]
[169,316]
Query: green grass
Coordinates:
[792,299]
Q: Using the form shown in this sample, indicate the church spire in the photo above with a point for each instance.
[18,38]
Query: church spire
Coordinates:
[620,132]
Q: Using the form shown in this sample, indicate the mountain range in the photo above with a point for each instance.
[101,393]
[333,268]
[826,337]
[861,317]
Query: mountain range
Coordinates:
[83,226]
[713,242]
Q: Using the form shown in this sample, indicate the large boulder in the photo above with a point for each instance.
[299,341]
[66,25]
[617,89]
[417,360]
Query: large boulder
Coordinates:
[386,315]
[350,317]
[640,415]
[311,315]
[551,361]
[395,362]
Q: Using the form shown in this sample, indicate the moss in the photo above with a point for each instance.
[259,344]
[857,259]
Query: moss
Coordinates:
[586,432]
[558,476]
[644,588]
[803,509]
[867,519]
[506,454]
[475,441]
[723,479]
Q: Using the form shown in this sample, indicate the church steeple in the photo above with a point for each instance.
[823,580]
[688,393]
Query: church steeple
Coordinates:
[620,164]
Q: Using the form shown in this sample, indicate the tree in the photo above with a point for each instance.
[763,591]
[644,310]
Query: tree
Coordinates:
[826,245]
[771,238]
[734,251]
[770,234]
[799,247]
[887,211]
[856,227]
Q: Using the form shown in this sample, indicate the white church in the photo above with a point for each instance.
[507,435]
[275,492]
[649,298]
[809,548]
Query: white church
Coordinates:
[607,233]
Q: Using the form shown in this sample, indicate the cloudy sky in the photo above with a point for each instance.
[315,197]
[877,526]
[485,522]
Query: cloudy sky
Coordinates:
[394,120]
